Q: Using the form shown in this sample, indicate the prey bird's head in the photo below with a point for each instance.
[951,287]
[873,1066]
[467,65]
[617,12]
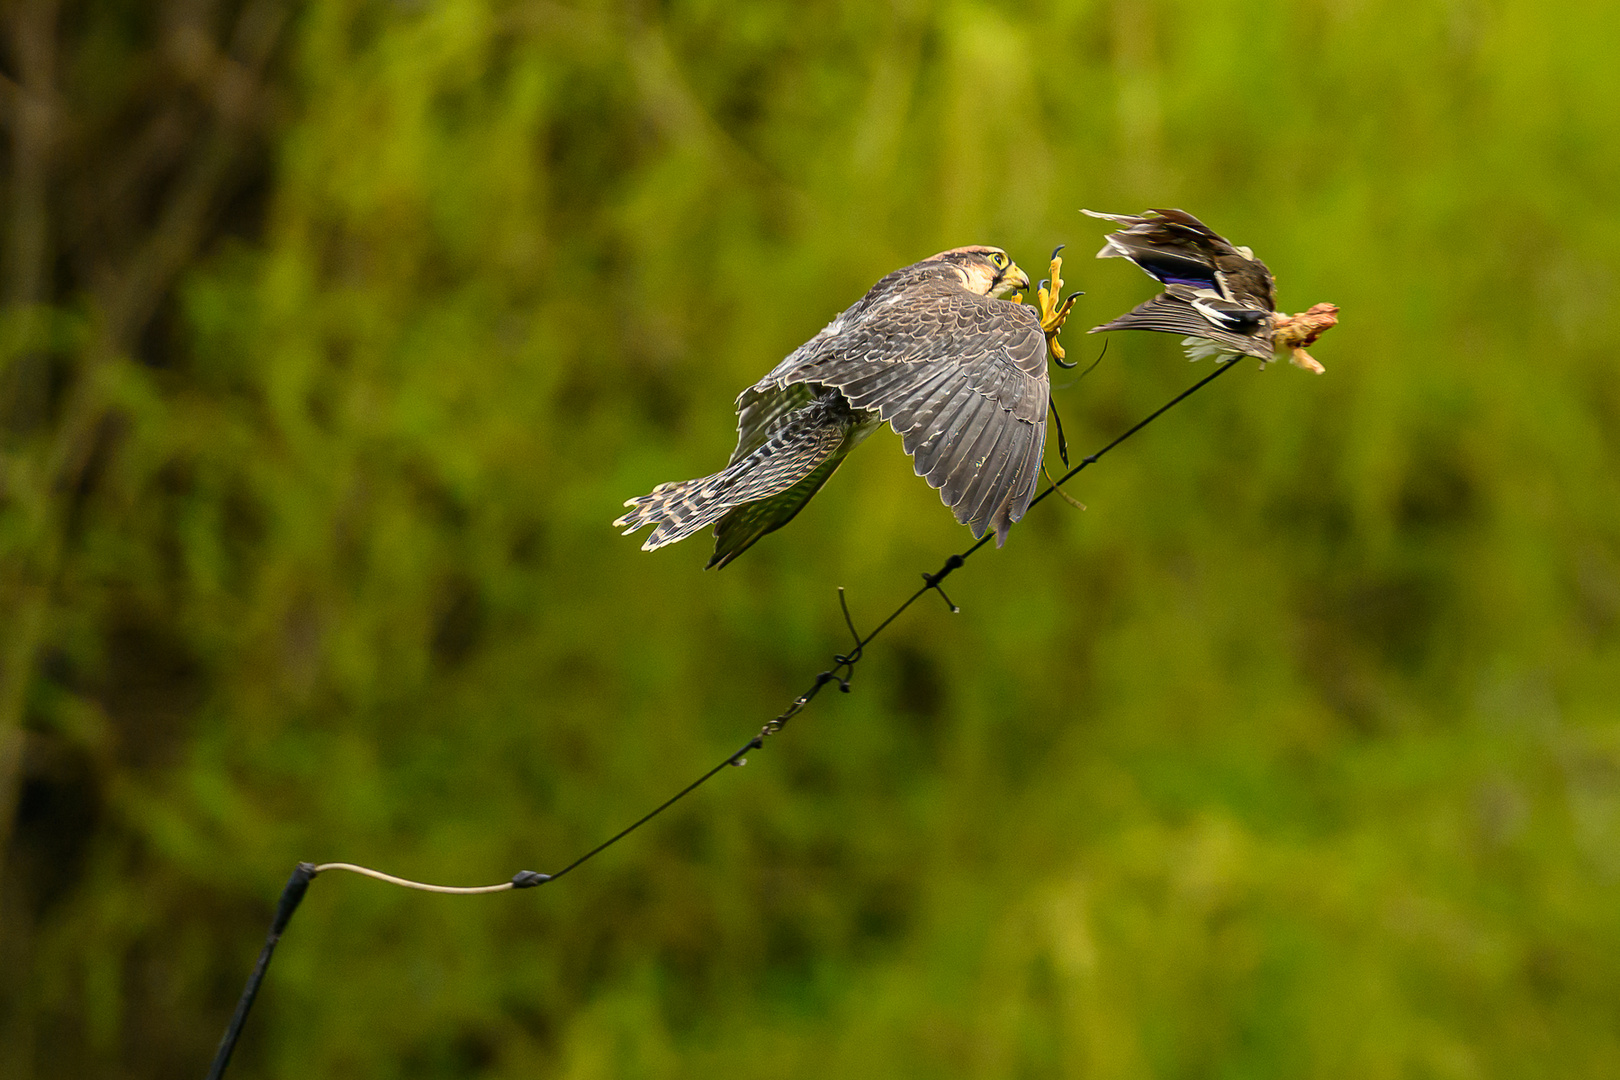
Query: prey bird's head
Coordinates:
[985,270]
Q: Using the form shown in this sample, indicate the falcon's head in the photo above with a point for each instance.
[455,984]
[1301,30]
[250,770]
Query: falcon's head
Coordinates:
[985,270]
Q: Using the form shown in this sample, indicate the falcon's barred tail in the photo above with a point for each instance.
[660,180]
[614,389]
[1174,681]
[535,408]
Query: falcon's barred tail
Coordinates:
[740,528]
[756,493]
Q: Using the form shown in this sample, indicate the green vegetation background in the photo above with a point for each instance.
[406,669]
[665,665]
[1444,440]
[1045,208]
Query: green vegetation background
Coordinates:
[1296,754]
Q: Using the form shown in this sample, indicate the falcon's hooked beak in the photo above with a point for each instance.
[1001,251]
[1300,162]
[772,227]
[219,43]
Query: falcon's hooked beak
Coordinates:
[1009,281]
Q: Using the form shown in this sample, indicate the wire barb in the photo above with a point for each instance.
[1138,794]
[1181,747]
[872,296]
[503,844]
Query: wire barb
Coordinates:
[1071,383]
[1057,421]
[847,661]
[952,564]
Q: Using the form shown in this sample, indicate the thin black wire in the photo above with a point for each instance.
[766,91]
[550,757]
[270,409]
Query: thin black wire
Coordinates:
[291,896]
[841,672]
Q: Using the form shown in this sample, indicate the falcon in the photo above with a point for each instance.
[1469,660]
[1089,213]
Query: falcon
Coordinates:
[1220,296]
[936,351]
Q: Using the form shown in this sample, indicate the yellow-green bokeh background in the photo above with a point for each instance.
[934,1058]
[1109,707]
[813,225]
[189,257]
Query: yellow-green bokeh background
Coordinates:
[1296,754]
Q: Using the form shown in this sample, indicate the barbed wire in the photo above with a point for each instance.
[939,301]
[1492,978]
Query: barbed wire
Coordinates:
[841,672]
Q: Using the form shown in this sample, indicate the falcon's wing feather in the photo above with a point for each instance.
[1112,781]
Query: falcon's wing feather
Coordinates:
[965,487]
[960,377]
[941,435]
[916,415]
[992,495]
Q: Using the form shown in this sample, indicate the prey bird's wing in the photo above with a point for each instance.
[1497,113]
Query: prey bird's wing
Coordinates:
[1213,291]
[959,376]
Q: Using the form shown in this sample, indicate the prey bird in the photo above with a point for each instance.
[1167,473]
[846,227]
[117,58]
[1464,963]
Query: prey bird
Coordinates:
[936,351]
[1218,295]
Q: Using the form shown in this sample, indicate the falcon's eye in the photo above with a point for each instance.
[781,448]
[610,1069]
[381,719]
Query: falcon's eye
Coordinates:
[999,261]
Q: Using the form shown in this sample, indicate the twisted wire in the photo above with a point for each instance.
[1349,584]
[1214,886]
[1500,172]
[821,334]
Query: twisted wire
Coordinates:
[841,672]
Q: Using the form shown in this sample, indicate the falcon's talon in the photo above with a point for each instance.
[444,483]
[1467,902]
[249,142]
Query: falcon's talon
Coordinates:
[1054,312]
[1056,316]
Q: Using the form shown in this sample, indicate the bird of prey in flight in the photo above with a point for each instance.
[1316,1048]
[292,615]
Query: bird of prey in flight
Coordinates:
[935,350]
[1220,296]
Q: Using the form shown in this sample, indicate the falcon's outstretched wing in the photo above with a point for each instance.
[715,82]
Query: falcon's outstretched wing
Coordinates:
[961,377]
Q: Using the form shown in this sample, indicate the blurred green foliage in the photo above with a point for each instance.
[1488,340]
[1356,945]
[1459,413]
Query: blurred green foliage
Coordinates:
[1296,754]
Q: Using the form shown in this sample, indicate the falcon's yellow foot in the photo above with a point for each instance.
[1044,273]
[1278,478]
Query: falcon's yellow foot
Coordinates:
[1053,312]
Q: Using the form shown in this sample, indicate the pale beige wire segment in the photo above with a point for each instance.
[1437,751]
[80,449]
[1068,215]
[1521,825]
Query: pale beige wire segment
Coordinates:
[454,890]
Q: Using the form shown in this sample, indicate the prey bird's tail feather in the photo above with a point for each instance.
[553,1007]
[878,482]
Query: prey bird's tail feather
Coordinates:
[1169,315]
